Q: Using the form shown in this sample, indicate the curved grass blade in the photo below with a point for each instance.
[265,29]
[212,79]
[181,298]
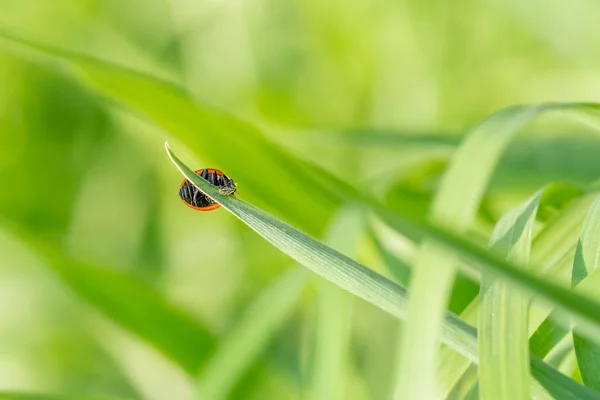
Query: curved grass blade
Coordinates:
[130,303]
[587,259]
[465,385]
[455,207]
[249,337]
[551,248]
[371,286]
[503,337]
[219,139]
[565,158]
[551,331]
[559,206]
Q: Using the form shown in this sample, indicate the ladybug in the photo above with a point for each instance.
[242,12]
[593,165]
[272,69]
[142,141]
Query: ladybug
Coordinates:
[194,198]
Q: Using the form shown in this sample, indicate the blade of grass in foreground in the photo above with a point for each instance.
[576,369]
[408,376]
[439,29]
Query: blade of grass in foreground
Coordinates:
[550,332]
[330,353]
[455,206]
[176,335]
[566,158]
[555,241]
[587,259]
[249,337]
[373,287]
[503,337]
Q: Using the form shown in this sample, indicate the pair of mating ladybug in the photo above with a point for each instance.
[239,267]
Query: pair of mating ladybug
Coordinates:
[194,198]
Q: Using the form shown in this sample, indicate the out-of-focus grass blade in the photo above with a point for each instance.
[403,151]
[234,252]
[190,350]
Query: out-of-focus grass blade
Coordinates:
[399,268]
[330,354]
[455,206]
[546,336]
[250,335]
[464,386]
[220,140]
[503,337]
[587,259]
[526,163]
[378,290]
[130,303]
[41,396]
[555,241]
[551,331]
[265,315]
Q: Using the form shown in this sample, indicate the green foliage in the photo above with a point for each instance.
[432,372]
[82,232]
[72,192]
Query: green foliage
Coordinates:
[345,120]
[383,293]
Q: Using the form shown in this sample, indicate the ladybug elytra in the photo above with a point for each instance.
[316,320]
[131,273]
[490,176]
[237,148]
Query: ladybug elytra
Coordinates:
[194,198]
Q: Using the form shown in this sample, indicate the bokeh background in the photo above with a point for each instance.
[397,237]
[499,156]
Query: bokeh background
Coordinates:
[377,92]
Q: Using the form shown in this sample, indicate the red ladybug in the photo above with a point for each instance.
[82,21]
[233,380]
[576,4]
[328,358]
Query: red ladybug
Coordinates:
[194,198]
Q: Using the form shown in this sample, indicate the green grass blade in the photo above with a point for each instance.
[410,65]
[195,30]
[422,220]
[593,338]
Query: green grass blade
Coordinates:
[558,385]
[219,139]
[362,281]
[455,207]
[330,353]
[464,385]
[397,267]
[547,335]
[528,163]
[249,337]
[334,311]
[552,330]
[552,244]
[587,260]
[503,337]
[309,252]
[130,303]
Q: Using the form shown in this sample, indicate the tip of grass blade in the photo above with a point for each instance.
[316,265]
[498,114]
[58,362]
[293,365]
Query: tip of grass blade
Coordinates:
[200,183]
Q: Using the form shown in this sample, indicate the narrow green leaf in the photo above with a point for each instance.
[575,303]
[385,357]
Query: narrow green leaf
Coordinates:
[552,249]
[558,204]
[587,260]
[559,385]
[130,303]
[334,311]
[250,335]
[547,336]
[551,331]
[399,269]
[526,163]
[371,286]
[465,384]
[455,207]
[503,337]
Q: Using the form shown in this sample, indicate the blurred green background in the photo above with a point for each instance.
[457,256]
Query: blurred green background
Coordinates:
[377,92]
